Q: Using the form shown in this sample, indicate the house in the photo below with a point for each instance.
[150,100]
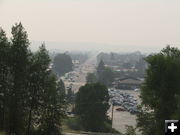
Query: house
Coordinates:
[128,83]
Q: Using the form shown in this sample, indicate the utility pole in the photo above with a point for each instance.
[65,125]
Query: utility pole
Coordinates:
[112,114]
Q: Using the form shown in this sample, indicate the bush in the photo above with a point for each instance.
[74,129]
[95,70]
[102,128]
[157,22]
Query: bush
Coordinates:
[130,130]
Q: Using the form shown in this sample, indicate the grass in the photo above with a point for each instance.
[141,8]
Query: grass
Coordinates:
[73,125]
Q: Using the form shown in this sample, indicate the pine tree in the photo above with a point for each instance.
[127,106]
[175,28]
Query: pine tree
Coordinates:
[100,67]
[30,99]
[106,76]
[61,88]
[19,54]
[69,95]
[5,80]
[52,109]
[38,71]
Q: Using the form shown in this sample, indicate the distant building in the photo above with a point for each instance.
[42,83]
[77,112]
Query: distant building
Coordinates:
[127,83]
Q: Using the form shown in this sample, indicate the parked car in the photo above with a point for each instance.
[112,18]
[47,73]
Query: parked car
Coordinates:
[137,89]
[120,109]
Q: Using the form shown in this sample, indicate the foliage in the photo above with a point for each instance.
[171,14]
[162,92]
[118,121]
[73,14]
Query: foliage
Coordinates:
[81,57]
[61,87]
[100,67]
[127,61]
[106,77]
[52,114]
[91,105]
[5,77]
[70,95]
[74,123]
[91,78]
[117,59]
[160,92]
[141,66]
[30,98]
[19,61]
[130,130]
[62,64]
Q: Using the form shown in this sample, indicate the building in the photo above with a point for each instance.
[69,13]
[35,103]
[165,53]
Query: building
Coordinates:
[128,83]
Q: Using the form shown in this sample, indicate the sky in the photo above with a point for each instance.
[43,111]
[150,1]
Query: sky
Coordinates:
[107,25]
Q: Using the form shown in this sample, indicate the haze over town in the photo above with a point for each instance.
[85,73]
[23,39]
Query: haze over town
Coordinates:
[106,25]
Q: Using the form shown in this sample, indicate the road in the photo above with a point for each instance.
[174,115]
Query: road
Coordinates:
[80,73]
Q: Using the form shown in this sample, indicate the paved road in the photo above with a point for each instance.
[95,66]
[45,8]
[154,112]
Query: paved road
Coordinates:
[81,72]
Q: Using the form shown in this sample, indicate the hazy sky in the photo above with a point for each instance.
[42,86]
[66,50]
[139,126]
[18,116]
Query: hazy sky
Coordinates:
[111,24]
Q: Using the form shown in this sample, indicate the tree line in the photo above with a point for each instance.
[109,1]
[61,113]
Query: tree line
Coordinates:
[30,99]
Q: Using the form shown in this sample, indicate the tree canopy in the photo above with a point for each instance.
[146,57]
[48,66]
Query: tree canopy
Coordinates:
[30,101]
[62,64]
[100,67]
[160,93]
[91,105]
[91,78]
[106,77]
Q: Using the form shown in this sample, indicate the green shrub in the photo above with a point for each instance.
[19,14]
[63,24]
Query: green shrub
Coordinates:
[130,130]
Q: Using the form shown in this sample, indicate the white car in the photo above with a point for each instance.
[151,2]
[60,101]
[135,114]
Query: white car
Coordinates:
[137,89]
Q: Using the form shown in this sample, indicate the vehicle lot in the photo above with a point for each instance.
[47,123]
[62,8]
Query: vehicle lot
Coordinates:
[122,118]
[123,99]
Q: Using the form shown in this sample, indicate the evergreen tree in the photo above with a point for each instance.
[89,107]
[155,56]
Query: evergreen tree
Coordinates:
[106,77]
[30,98]
[19,54]
[61,87]
[38,72]
[70,95]
[5,78]
[100,67]
[52,109]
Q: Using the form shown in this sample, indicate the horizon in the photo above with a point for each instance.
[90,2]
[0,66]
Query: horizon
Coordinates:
[103,25]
